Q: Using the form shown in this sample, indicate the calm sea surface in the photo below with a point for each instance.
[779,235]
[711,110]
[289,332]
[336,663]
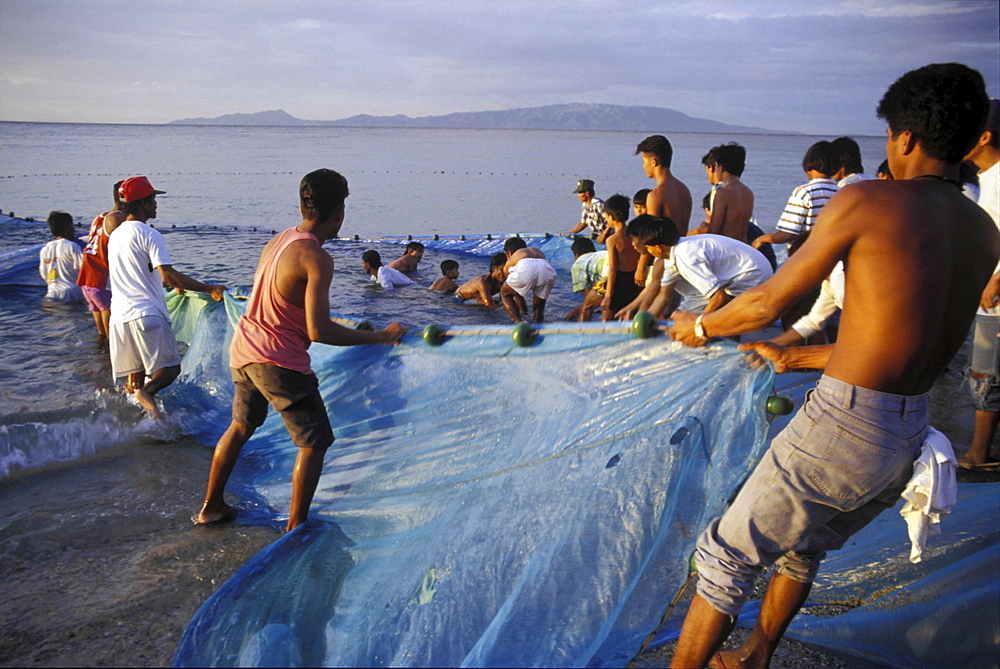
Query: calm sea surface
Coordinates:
[403,181]
[57,402]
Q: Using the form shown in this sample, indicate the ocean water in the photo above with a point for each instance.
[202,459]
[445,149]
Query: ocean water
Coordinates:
[403,181]
[229,188]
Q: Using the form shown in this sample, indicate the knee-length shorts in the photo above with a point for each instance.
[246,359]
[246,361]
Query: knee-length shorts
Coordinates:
[845,457]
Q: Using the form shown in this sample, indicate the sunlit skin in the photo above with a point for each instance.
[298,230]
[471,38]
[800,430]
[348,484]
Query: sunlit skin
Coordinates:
[407,263]
[732,205]
[670,198]
[918,253]
[303,275]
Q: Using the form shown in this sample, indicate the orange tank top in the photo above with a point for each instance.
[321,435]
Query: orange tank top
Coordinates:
[94,262]
[272,330]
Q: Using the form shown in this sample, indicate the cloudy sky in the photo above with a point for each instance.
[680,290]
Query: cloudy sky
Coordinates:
[809,66]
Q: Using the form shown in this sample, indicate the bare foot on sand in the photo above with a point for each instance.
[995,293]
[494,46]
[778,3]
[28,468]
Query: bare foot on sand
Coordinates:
[148,403]
[727,659]
[206,517]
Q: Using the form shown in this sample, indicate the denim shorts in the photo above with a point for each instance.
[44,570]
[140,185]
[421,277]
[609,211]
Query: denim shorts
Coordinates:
[983,371]
[845,457]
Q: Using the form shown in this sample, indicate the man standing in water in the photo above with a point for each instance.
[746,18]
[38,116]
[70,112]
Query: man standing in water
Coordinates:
[140,339]
[670,198]
[289,308]
[918,254]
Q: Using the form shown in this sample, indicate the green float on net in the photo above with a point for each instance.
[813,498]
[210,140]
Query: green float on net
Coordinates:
[778,405]
[524,334]
[433,335]
[643,325]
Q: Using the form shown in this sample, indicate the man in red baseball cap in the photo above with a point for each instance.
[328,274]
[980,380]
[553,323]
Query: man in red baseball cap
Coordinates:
[141,341]
[137,188]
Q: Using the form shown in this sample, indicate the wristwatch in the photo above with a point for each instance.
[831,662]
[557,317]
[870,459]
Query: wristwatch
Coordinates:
[699,329]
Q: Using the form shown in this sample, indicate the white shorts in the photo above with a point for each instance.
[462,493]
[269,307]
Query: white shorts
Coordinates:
[534,274]
[143,345]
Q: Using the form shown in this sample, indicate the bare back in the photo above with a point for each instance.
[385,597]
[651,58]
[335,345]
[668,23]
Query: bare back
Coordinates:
[521,254]
[671,199]
[626,257]
[293,274]
[482,287]
[732,208]
[917,254]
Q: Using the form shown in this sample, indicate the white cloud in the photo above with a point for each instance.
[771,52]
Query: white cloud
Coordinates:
[730,61]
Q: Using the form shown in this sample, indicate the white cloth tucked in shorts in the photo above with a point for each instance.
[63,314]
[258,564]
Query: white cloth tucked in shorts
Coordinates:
[931,492]
[534,274]
[142,345]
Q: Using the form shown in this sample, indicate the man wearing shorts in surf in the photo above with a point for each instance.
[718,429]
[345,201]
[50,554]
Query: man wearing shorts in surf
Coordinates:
[289,308]
[141,341]
[526,270]
[917,254]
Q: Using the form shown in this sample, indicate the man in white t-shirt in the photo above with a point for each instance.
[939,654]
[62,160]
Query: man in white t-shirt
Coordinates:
[59,260]
[706,270]
[141,341]
[383,275]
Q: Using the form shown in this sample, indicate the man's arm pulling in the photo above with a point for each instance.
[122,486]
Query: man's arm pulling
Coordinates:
[176,279]
[318,268]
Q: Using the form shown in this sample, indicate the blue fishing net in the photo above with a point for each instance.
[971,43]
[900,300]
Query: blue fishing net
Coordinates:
[485,504]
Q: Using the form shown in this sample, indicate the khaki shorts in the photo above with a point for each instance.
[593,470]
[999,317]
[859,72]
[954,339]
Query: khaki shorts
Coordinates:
[143,345]
[293,394]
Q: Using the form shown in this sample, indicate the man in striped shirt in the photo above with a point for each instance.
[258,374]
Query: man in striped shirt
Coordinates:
[819,164]
[592,215]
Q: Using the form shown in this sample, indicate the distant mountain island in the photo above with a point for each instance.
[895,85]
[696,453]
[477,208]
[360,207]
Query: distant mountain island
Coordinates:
[576,116]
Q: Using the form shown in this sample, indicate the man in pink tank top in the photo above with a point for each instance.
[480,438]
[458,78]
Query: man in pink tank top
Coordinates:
[289,308]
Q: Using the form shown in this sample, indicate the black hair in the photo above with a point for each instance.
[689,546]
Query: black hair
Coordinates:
[653,230]
[848,154]
[498,260]
[658,146]
[706,202]
[414,246]
[514,244]
[372,257]
[618,207]
[883,168]
[640,196]
[943,105]
[821,158]
[992,124]
[448,265]
[731,157]
[60,224]
[321,194]
[114,196]
[135,206]
[582,245]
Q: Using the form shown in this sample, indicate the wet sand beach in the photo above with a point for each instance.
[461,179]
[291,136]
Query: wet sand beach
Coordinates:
[100,563]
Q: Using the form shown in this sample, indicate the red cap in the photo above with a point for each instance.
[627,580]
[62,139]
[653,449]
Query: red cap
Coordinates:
[136,188]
